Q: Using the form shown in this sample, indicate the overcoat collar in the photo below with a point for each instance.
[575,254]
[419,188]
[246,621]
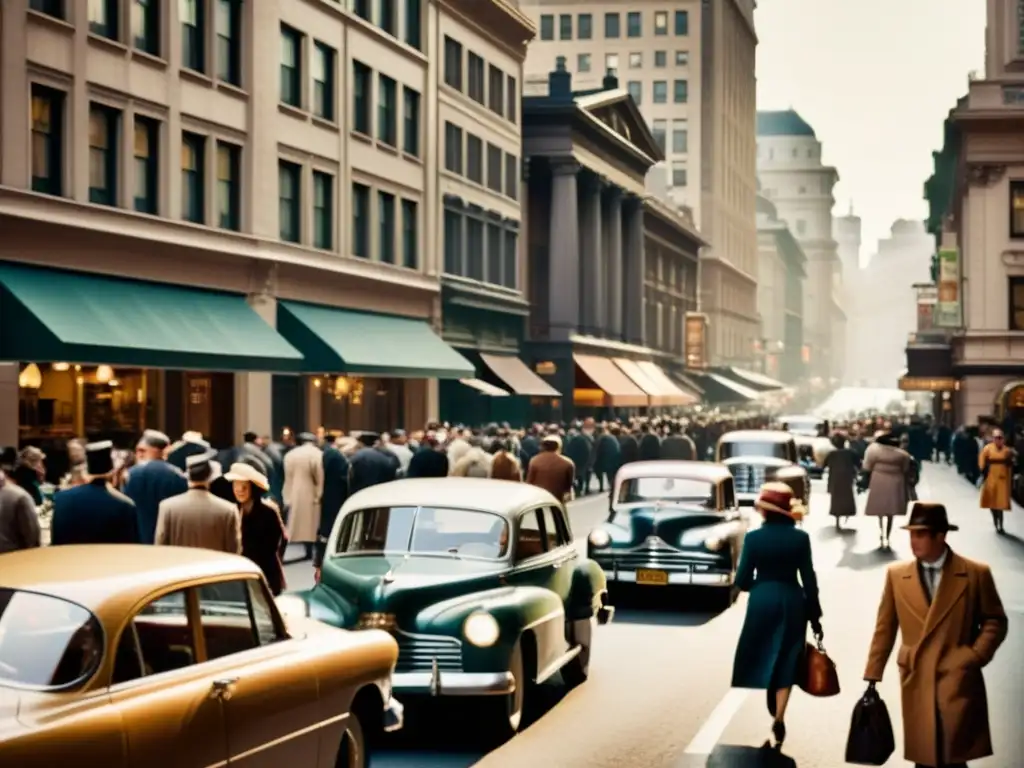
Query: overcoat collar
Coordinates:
[951,589]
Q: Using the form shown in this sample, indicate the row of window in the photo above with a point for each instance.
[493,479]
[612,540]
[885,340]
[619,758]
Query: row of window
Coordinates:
[465,155]
[635,59]
[612,25]
[659,91]
[383,123]
[385,15]
[394,218]
[481,246]
[680,136]
[484,83]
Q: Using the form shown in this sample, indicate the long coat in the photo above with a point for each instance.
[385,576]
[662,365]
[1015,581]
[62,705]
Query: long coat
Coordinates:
[428,462]
[199,519]
[262,535]
[148,485]
[505,466]
[303,491]
[842,474]
[554,473]
[887,491]
[771,643]
[944,647]
[679,447]
[94,513]
[995,491]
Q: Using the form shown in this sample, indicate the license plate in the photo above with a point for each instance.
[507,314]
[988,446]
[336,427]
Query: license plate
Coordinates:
[655,578]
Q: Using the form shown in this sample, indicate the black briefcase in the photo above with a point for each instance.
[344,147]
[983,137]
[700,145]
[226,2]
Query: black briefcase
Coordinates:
[871,740]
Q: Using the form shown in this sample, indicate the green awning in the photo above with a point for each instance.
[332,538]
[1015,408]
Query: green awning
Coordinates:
[77,317]
[366,344]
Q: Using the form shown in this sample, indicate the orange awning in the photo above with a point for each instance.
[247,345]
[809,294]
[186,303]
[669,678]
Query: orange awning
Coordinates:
[669,390]
[638,377]
[619,389]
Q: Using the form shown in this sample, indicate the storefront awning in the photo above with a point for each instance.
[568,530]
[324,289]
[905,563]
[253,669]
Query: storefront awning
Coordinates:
[484,387]
[720,390]
[750,379]
[366,344]
[620,391]
[674,394]
[641,379]
[922,384]
[518,377]
[77,317]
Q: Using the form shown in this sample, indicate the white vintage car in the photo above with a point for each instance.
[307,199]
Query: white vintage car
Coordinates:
[812,444]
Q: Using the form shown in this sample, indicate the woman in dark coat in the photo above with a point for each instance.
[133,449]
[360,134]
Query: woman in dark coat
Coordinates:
[843,467]
[771,644]
[429,461]
[263,531]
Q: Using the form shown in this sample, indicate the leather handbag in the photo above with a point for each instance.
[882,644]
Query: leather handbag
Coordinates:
[819,676]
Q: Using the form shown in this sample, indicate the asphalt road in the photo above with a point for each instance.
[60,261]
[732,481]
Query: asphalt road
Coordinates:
[658,694]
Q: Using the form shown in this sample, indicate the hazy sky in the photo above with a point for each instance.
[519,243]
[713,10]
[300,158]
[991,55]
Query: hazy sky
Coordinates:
[875,78]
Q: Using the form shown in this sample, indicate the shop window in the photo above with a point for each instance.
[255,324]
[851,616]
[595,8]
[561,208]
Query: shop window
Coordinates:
[1017,209]
[1017,303]
[349,403]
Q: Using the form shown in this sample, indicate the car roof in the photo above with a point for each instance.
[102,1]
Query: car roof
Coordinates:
[757,435]
[109,579]
[696,470]
[501,497]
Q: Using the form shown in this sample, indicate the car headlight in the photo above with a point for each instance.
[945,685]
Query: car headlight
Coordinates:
[481,630]
[713,537]
[599,538]
[292,607]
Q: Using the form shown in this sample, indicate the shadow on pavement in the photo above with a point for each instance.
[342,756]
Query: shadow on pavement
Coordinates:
[865,561]
[726,756]
[673,607]
[1012,538]
[831,532]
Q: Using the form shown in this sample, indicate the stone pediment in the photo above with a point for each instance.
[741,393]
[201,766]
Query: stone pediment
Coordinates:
[616,109]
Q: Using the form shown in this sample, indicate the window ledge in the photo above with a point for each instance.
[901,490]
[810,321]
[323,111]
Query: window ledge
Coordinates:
[412,158]
[145,57]
[362,137]
[383,146]
[196,77]
[386,38]
[296,112]
[326,124]
[105,42]
[44,18]
[232,90]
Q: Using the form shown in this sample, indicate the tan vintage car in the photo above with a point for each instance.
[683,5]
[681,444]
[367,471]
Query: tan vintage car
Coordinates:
[144,657]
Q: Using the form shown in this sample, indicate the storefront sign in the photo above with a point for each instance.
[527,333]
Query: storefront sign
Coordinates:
[546,368]
[947,310]
[920,384]
[696,340]
[927,298]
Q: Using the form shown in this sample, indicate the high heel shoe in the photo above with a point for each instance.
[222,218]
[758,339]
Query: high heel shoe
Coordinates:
[779,732]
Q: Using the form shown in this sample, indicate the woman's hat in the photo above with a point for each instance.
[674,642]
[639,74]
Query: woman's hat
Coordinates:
[246,473]
[778,498]
[929,516]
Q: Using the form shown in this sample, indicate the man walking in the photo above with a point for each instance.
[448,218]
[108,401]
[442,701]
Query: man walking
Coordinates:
[951,620]
[151,481]
[197,518]
[552,471]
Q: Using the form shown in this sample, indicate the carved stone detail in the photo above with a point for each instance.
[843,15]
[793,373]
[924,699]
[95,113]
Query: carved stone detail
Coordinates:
[985,174]
[1013,258]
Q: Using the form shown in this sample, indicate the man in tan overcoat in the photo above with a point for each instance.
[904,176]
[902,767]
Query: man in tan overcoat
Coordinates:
[197,518]
[951,621]
[552,471]
[303,491]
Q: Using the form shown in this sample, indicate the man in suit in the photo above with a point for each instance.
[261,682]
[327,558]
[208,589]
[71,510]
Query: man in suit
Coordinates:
[152,481]
[678,445]
[551,471]
[95,512]
[951,621]
[334,494]
[197,518]
[372,464]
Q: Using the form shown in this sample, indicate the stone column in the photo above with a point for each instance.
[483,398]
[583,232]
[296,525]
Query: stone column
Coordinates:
[633,285]
[592,301]
[563,253]
[612,273]
[254,390]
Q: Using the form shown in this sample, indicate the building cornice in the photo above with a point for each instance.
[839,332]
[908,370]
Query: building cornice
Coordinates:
[499,20]
[664,212]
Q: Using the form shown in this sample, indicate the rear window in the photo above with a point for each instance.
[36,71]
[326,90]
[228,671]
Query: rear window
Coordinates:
[767,448]
[46,642]
[679,489]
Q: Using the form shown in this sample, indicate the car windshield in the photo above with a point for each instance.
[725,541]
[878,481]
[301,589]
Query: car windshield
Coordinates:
[678,489]
[768,448]
[424,530]
[46,642]
[803,427]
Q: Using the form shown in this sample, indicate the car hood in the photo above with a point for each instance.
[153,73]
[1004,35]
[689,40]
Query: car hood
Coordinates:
[667,524]
[406,585]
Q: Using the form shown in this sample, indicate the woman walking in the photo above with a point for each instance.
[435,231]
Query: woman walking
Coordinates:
[263,531]
[841,464]
[996,464]
[777,570]
[888,469]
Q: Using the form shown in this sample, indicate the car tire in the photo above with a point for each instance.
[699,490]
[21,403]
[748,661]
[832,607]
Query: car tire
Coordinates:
[506,713]
[576,672]
[353,751]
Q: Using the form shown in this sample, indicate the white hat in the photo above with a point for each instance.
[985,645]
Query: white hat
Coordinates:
[246,473]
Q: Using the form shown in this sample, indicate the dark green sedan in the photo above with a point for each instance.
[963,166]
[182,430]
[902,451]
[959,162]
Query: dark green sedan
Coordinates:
[478,580]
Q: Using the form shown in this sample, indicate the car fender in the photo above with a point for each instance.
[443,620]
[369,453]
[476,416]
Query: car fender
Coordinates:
[587,593]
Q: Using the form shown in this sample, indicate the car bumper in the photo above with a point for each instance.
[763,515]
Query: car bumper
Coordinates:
[708,574]
[448,683]
[394,716]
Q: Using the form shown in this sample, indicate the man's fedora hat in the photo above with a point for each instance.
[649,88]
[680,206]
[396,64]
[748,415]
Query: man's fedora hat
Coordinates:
[929,516]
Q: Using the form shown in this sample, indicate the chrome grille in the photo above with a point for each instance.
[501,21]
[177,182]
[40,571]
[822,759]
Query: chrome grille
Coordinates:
[748,478]
[633,560]
[416,653]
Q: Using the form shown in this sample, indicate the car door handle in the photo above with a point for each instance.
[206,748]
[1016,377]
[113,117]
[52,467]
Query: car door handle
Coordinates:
[223,687]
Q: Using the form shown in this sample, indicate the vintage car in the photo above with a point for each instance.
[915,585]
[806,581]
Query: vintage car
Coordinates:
[757,456]
[127,656]
[478,580]
[671,523]
[812,444]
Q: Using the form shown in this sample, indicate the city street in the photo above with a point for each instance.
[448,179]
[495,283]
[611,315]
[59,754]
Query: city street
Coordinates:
[659,693]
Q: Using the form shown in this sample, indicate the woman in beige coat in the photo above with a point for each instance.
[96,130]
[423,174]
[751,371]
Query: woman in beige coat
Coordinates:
[888,468]
[996,464]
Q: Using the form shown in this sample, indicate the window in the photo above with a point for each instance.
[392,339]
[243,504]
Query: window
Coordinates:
[414,24]
[452,63]
[1016,304]
[386,217]
[453,148]
[801,227]
[660,92]
[47,140]
[193,201]
[681,91]
[1016,209]
[636,60]
[289,193]
[636,90]
[658,129]
[145,645]
[511,176]
[495,90]
[323,210]
[387,18]
[511,262]
[511,99]
[634,24]
[682,58]
[323,81]
[494,244]
[611,25]
[235,617]
[659,59]
[103,18]
[679,174]
[529,542]
[291,67]
[584,26]
[565,26]
[474,249]
[611,62]
[229,187]
[410,234]
[146,26]
[547,27]
[475,75]
[53,8]
[362,99]
[583,62]
[452,242]
[103,154]
[361,220]
[682,23]
[494,168]
[193,34]
[229,36]
[680,136]
[146,150]
[387,111]
[555,529]
[363,10]
[661,23]
[474,159]
[411,120]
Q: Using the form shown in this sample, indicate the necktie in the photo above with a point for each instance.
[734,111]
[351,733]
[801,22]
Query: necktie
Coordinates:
[929,577]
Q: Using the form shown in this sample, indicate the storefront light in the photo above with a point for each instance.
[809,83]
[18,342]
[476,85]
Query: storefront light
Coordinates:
[113,383]
[31,377]
[61,367]
[104,374]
